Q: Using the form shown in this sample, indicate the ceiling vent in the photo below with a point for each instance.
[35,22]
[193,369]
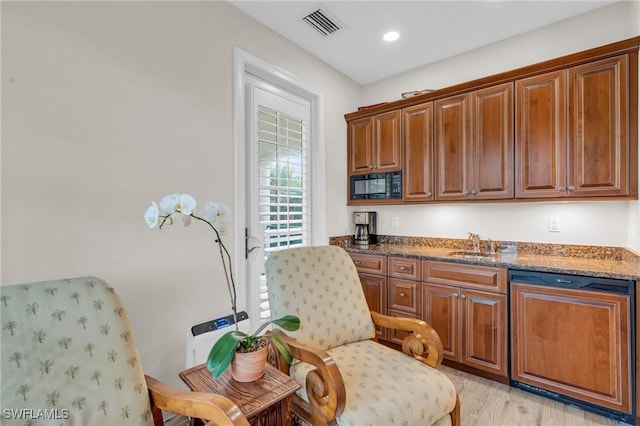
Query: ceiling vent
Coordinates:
[323,22]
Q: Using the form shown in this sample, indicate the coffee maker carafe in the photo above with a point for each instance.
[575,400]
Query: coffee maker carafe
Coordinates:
[365,228]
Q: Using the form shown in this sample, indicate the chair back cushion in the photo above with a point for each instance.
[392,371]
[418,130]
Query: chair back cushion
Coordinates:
[321,286]
[69,356]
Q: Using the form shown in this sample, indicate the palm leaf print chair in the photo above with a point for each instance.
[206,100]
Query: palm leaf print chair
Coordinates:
[346,376]
[69,357]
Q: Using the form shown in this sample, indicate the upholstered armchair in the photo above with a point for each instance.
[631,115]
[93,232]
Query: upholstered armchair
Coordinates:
[69,357]
[346,376]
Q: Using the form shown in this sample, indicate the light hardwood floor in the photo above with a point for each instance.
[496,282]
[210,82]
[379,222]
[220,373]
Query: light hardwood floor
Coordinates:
[488,403]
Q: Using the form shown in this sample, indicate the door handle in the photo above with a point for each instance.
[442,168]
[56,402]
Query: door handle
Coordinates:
[248,250]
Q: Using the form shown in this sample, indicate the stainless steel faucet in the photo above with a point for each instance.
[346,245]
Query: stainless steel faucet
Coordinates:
[475,239]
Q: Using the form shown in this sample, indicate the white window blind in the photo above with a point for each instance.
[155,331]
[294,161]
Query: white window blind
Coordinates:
[283,186]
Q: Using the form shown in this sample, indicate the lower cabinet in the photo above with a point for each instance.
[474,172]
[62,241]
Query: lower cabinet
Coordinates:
[469,313]
[465,304]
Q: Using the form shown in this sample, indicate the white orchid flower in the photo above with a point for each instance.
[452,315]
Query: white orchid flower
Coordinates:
[151,215]
[216,211]
[172,203]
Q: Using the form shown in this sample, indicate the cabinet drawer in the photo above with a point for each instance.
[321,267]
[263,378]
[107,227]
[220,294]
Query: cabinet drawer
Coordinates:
[400,267]
[370,263]
[404,295]
[481,277]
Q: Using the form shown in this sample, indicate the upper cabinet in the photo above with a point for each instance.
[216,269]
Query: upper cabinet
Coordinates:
[474,145]
[417,125]
[572,138]
[374,144]
[566,128]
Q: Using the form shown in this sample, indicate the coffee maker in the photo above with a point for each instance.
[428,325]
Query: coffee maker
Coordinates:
[365,228]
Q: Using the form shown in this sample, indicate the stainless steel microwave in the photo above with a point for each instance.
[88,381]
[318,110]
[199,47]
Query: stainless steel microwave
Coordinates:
[376,186]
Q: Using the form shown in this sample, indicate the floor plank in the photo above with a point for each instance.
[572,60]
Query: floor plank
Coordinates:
[488,403]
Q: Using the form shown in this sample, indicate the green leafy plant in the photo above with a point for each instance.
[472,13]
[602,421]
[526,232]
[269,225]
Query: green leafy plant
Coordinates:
[225,348]
[174,205]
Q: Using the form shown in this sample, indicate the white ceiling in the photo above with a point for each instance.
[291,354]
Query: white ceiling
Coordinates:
[429,30]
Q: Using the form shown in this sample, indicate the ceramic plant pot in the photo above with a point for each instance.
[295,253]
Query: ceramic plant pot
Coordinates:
[249,366]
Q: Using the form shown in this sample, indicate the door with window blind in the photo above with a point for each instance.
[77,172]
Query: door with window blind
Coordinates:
[278,184]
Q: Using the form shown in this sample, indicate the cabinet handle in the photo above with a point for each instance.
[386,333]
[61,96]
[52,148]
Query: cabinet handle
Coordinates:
[561,188]
[463,297]
[429,194]
[402,295]
[358,262]
[572,188]
[371,167]
[455,296]
[465,192]
[473,192]
[402,268]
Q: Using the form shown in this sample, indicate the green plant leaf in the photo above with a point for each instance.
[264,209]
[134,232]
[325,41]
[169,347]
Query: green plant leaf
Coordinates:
[288,322]
[282,347]
[223,352]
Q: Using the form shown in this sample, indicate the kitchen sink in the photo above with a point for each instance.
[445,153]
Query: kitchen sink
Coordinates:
[472,254]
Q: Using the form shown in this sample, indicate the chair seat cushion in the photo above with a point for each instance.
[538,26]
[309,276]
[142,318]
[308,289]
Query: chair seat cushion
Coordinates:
[381,382]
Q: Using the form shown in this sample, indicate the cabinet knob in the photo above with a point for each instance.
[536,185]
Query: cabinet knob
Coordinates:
[465,192]
[463,297]
[429,194]
[473,192]
[561,188]
[402,268]
[371,167]
[571,188]
[402,294]
[455,296]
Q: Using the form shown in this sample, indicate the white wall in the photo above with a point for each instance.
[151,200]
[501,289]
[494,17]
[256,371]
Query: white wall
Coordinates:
[109,105]
[606,223]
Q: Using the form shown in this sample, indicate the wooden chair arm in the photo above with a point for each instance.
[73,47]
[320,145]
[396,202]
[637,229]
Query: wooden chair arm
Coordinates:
[423,343]
[215,408]
[324,385]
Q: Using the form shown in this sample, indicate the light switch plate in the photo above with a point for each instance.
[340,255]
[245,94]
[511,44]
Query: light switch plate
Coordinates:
[554,224]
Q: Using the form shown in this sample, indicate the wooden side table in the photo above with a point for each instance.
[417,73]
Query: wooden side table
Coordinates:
[265,402]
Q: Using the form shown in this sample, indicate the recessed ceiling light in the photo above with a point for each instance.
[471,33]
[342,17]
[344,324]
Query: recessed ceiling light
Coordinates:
[391,36]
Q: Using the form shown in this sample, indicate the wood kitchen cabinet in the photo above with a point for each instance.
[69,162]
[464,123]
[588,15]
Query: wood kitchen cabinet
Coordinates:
[474,145]
[372,270]
[374,144]
[467,306]
[573,342]
[417,125]
[573,132]
[403,294]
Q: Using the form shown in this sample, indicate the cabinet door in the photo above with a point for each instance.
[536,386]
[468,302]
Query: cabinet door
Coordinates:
[492,143]
[440,308]
[572,342]
[417,125]
[375,291]
[541,142]
[484,331]
[598,123]
[359,137]
[387,148]
[452,135]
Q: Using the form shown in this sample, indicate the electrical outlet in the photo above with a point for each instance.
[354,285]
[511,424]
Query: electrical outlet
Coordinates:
[222,228]
[554,224]
[395,221]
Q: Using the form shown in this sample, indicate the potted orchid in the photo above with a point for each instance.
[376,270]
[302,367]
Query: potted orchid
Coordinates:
[225,351]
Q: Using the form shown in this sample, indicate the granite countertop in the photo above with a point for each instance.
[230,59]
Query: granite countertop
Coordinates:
[595,261]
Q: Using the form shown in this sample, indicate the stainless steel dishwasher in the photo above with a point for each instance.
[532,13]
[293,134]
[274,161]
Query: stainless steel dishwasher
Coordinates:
[573,339]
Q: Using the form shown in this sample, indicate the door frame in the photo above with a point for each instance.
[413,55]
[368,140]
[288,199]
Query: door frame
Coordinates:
[244,62]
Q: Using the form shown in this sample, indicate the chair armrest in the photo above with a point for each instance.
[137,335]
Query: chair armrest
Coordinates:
[215,408]
[324,385]
[423,343]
